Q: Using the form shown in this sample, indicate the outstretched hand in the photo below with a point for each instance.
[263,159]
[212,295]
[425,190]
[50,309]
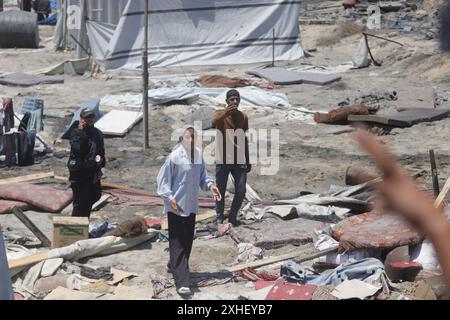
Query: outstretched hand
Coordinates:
[398,191]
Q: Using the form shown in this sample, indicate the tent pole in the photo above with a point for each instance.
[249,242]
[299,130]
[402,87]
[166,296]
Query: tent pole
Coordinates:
[273,47]
[145,75]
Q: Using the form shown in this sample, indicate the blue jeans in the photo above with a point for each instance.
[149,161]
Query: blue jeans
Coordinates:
[240,181]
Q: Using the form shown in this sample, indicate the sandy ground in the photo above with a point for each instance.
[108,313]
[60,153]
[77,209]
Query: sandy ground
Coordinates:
[311,156]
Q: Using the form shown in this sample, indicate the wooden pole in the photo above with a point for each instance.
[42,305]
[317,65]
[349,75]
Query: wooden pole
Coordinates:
[283,257]
[443,193]
[30,225]
[145,75]
[273,47]
[434,174]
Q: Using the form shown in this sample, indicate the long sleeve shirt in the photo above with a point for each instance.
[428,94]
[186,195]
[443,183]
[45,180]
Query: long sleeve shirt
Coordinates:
[180,179]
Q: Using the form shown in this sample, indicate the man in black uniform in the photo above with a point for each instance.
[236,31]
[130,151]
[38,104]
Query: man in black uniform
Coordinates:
[87,157]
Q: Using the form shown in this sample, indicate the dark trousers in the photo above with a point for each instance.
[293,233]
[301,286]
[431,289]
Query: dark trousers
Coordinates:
[85,194]
[240,181]
[181,236]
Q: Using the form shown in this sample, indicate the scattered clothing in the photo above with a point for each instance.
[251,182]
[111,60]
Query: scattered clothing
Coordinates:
[247,252]
[369,270]
[98,273]
[96,231]
[251,274]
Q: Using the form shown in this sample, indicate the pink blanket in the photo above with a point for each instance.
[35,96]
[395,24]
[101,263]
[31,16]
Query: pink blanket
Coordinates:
[44,198]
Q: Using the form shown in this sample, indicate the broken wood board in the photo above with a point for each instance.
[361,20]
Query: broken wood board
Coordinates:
[403,119]
[288,256]
[272,235]
[443,194]
[29,260]
[104,198]
[30,225]
[30,177]
[118,122]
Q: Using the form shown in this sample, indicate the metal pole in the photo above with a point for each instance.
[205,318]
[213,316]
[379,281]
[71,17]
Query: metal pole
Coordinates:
[145,75]
[273,47]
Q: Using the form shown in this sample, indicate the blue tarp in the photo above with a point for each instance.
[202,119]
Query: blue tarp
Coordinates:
[51,21]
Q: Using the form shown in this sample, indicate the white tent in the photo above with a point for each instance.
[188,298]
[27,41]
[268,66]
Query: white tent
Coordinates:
[189,32]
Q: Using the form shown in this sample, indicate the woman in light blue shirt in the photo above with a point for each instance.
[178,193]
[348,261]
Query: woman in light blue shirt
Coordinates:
[179,181]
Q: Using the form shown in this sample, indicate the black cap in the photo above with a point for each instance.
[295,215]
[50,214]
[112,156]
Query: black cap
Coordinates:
[86,113]
[233,93]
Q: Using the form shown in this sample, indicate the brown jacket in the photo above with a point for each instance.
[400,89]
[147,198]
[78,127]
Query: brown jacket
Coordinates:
[231,130]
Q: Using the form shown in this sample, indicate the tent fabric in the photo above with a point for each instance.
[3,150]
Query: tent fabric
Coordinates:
[374,230]
[42,197]
[182,32]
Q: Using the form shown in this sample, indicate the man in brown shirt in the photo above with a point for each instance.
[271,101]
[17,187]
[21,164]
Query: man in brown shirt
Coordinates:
[232,154]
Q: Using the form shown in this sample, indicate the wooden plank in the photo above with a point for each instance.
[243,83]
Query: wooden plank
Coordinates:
[27,178]
[104,198]
[259,263]
[443,194]
[30,225]
[434,174]
[26,261]
[107,185]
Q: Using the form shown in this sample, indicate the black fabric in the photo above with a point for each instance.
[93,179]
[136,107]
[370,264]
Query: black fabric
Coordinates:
[26,5]
[85,194]
[24,122]
[86,144]
[25,148]
[181,236]
[240,182]
[10,149]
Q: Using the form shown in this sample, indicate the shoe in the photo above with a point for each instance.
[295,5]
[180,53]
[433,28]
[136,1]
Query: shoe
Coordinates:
[219,221]
[184,291]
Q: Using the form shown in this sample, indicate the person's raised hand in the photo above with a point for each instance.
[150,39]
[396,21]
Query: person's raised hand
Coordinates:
[398,193]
